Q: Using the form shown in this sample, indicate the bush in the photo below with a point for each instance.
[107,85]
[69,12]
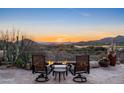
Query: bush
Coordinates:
[19,63]
[104,62]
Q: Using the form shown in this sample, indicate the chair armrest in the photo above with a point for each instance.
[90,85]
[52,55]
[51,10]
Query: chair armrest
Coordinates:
[71,68]
[33,69]
[48,69]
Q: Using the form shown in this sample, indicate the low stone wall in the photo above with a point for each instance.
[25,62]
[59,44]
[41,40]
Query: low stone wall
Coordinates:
[120,55]
[94,64]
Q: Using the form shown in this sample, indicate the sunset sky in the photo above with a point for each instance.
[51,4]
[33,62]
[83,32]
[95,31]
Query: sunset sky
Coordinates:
[64,25]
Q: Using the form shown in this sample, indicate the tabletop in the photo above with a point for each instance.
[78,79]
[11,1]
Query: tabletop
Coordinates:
[60,66]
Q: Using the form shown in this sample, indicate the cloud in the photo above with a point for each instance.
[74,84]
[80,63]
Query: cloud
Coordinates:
[53,21]
[85,14]
[81,13]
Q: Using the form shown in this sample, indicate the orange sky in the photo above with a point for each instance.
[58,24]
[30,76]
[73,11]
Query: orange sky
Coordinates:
[68,38]
[82,36]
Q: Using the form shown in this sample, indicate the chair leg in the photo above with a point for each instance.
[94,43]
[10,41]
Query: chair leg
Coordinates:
[59,76]
[80,78]
[63,75]
[72,72]
[46,78]
[53,73]
[55,76]
[43,76]
[66,73]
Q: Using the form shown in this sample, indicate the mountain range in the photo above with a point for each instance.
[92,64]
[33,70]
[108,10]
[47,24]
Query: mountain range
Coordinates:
[118,40]
[108,40]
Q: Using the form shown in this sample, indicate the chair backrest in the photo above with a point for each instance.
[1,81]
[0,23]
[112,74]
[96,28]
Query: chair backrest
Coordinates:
[38,63]
[82,63]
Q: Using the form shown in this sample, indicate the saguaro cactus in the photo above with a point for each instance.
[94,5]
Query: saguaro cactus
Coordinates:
[13,48]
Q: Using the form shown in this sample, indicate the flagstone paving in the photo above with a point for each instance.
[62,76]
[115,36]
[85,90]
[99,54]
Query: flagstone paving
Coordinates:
[109,75]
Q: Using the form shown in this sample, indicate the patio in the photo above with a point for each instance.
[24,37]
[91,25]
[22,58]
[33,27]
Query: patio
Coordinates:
[109,75]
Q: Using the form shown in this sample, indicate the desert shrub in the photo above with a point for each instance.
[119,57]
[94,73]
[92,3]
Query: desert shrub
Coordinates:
[19,62]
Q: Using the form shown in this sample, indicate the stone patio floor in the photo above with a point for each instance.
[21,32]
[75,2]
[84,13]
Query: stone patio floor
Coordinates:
[108,75]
